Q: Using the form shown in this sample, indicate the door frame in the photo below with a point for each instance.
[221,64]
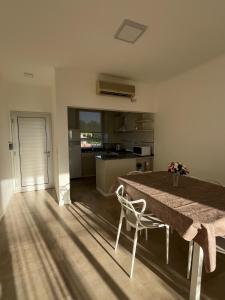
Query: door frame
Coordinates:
[15,157]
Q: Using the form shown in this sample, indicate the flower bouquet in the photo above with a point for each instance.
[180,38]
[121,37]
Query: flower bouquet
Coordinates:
[177,168]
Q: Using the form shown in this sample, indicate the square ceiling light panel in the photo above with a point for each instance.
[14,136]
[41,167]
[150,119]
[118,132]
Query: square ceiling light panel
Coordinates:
[130,31]
[28,75]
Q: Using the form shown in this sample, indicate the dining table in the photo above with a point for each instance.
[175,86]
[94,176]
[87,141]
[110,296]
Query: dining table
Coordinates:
[195,209]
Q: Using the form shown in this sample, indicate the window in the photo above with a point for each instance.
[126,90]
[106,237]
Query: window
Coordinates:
[91,129]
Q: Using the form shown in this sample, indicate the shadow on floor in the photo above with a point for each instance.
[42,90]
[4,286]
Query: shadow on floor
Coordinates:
[101,271]
[67,274]
[147,257]
[7,283]
[93,208]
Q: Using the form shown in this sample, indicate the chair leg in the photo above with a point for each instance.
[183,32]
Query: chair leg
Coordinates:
[146,234]
[167,244]
[190,252]
[134,252]
[119,229]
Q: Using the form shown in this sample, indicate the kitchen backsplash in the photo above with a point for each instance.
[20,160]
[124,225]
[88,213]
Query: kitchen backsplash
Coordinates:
[129,129]
[124,128]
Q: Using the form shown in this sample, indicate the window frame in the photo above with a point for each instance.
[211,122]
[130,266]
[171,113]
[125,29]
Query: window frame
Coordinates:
[93,132]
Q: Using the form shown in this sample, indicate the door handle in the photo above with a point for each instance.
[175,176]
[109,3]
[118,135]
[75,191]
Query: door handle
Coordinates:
[47,152]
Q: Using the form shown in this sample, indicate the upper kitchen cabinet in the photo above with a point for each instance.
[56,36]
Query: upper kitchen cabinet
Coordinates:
[144,122]
[108,121]
[124,121]
[133,122]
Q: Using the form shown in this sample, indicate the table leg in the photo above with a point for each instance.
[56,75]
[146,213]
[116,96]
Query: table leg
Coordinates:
[196,274]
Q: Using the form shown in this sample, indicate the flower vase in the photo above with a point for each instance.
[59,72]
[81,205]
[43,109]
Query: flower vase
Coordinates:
[176,179]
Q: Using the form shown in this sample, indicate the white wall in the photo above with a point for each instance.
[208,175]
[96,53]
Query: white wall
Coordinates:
[78,89]
[6,183]
[54,139]
[16,97]
[190,123]
[28,98]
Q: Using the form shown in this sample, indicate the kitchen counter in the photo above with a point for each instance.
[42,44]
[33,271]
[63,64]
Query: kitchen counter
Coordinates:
[102,153]
[108,169]
[112,156]
[92,150]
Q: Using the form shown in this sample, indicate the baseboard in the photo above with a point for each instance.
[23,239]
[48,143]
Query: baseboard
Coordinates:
[103,193]
[4,210]
[67,202]
[40,187]
[64,202]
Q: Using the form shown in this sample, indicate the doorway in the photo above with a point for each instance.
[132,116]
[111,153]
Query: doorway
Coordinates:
[32,151]
[104,145]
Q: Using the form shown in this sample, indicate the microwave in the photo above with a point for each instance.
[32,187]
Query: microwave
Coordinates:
[142,150]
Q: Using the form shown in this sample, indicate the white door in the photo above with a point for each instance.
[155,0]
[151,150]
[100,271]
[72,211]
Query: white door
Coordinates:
[32,151]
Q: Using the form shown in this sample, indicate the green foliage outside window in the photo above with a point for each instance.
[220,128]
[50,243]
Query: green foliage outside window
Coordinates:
[91,129]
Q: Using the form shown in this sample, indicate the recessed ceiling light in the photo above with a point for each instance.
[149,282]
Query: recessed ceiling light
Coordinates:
[28,75]
[130,31]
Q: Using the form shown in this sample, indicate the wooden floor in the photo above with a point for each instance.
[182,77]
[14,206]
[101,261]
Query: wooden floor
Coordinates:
[52,252]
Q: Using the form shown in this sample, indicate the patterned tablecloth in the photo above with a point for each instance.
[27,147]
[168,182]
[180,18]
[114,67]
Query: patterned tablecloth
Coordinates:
[195,209]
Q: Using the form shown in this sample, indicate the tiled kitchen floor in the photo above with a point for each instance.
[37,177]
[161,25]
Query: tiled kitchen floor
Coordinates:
[52,252]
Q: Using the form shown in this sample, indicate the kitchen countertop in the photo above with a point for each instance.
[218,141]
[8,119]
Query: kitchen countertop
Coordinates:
[111,156]
[92,150]
[101,153]
[109,151]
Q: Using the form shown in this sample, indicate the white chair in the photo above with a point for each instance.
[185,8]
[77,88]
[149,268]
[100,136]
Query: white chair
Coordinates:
[138,220]
[136,172]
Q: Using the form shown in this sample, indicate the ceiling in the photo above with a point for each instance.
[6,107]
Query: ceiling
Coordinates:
[36,36]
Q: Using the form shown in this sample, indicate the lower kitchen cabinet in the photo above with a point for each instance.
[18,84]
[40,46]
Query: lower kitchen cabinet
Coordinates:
[144,163]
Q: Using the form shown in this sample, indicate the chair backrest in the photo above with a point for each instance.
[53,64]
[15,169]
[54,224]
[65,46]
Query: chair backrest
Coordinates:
[132,215]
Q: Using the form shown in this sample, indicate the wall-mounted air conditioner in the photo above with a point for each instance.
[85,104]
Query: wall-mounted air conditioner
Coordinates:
[115,89]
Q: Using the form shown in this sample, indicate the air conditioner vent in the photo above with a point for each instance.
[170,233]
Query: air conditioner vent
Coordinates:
[115,89]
